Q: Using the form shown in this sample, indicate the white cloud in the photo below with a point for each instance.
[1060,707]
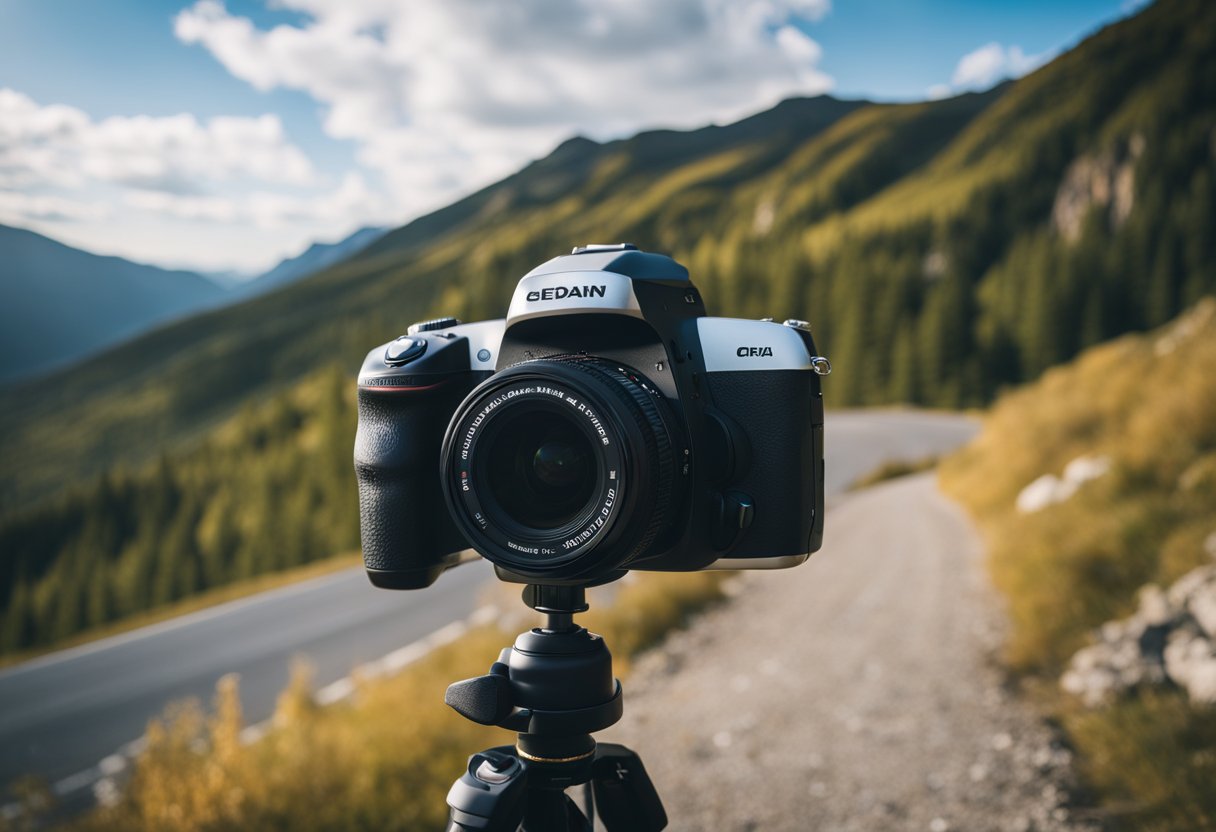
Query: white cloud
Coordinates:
[61,146]
[19,208]
[446,95]
[155,188]
[350,201]
[984,67]
[439,97]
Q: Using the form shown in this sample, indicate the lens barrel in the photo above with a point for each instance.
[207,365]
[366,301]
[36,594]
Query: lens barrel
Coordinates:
[561,467]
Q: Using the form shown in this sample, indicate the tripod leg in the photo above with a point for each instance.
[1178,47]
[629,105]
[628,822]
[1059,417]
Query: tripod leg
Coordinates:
[551,810]
[625,798]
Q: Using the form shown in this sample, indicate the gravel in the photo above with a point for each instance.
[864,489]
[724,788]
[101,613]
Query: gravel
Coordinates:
[857,692]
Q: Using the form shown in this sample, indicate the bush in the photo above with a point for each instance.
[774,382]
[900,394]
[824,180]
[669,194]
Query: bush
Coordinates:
[382,760]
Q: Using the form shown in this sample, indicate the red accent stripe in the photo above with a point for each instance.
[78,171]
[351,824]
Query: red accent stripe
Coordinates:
[375,388]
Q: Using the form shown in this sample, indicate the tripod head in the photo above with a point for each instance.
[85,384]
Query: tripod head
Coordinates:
[554,687]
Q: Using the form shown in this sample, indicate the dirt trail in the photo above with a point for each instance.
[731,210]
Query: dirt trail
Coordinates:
[857,692]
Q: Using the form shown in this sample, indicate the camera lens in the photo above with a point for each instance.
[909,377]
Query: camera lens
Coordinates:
[540,469]
[562,467]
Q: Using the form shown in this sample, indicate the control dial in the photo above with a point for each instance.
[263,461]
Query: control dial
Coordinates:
[432,325]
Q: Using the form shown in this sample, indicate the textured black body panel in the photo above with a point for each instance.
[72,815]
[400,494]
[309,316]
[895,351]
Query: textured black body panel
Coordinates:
[406,530]
[780,411]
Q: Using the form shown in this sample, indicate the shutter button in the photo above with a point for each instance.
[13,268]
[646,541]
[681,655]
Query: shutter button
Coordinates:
[404,350]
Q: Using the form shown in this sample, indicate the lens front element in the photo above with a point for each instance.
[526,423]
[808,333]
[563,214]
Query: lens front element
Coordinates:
[541,468]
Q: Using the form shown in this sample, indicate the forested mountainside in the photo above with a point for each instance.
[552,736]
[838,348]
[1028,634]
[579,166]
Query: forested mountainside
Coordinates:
[942,250]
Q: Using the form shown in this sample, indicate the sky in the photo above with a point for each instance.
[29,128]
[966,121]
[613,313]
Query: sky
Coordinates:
[228,134]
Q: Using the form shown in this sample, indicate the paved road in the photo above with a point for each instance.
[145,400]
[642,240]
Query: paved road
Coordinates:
[61,714]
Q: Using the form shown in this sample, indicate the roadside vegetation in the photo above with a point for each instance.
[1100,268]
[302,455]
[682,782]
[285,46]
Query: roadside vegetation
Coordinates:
[383,759]
[1148,404]
[894,469]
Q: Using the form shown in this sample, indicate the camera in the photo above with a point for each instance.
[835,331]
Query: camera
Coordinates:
[606,424]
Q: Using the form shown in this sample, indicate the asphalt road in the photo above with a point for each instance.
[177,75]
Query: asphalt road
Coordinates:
[63,713]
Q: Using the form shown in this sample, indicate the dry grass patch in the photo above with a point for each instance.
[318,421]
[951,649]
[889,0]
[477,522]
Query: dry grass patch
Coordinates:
[382,760]
[1148,404]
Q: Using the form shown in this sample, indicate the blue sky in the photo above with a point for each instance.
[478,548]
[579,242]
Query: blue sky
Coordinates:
[229,134]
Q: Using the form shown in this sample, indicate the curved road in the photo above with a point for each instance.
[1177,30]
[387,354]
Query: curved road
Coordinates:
[864,698]
[60,715]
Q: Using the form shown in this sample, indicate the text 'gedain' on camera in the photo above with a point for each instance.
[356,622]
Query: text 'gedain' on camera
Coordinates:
[606,424]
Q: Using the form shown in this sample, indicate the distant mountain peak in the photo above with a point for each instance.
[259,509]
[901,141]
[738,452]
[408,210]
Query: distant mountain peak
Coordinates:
[314,258]
[58,302]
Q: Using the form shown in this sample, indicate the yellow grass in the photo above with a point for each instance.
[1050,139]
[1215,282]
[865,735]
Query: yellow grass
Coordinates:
[382,760]
[1148,402]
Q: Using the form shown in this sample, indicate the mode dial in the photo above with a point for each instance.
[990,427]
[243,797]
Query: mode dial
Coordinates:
[432,325]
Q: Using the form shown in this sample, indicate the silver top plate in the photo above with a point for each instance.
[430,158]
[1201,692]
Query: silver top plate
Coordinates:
[732,344]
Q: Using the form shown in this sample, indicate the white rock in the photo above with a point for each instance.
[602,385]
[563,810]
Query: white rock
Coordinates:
[1126,656]
[1086,468]
[1038,495]
[1049,489]
[1202,606]
[1155,607]
[1111,632]
[1190,661]
[1092,687]
[1180,593]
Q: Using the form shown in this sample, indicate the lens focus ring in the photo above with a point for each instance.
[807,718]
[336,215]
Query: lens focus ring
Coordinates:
[651,425]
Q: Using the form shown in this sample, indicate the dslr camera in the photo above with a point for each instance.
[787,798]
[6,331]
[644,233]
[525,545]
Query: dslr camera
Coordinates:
[606,424]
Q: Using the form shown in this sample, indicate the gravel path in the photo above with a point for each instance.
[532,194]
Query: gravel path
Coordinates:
[856,692]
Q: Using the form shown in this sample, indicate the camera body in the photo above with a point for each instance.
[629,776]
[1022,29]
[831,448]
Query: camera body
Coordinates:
[606,424]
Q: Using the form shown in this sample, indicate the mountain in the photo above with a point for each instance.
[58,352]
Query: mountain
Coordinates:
[229,278]
[943,250]
[313,259]
[174,383]
[59,303]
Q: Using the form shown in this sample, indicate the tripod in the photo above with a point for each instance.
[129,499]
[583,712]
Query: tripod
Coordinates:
[555,688]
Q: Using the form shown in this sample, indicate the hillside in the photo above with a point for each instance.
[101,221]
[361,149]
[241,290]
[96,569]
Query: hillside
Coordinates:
[1140,414]
[944,250]
[59,303]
